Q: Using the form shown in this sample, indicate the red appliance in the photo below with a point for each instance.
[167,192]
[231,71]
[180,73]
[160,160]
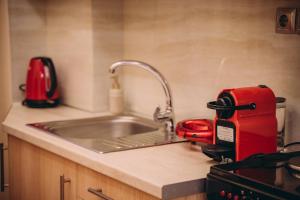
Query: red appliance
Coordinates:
[196,130]
[41,84]
[245,123]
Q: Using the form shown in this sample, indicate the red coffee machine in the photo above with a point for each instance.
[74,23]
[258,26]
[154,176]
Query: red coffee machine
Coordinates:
[245,123]
[41,84]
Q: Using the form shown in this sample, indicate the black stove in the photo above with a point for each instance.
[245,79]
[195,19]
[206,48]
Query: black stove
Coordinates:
[259,177]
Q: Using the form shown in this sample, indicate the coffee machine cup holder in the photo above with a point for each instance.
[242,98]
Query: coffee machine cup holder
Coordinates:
[218,152]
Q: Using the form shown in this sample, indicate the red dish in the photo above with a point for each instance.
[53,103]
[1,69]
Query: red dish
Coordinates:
[197,130]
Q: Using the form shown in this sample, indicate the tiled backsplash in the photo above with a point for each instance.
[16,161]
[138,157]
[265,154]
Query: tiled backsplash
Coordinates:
[28,37]
[203,47]
[82,37]
[200,46]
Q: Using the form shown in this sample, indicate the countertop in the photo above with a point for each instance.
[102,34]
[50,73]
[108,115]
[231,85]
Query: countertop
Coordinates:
[165,171]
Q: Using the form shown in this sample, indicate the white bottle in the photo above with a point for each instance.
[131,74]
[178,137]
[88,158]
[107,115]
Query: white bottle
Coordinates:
[115,97]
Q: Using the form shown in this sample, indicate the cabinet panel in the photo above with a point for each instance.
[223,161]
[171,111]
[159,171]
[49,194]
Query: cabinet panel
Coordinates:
[24,170]
[35,173]
[110,187]
[52,167]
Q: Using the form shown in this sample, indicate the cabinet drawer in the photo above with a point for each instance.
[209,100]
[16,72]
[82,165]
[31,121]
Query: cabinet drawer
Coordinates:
[111,188]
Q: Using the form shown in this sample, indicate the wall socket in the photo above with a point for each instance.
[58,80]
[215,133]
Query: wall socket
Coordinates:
[286,20]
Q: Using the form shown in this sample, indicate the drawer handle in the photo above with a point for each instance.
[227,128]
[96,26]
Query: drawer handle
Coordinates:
[2,184]
[98,192]
[1,168]
[63,180]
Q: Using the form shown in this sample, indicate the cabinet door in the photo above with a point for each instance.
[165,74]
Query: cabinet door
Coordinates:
[111,188]
[23,170]
[35,173]
[52,168]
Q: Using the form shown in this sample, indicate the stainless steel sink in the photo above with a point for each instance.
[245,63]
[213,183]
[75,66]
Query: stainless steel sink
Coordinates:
[109,133]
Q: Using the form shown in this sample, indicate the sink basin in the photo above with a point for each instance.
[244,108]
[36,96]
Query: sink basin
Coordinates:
[108,133]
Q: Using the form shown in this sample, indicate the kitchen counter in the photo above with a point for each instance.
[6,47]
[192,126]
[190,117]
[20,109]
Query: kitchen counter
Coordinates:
[165,171]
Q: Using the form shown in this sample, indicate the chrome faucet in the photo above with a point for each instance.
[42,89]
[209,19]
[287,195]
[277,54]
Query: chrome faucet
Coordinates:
[167,116]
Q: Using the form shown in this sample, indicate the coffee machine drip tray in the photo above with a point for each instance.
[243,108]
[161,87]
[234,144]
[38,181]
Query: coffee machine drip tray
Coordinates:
[219,153]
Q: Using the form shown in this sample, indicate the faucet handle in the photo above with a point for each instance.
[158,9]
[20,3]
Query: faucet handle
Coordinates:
[160,116]
[165,117]
[156,114]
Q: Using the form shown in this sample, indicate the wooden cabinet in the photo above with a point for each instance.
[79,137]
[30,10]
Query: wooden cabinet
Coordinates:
[35,174]
[112,188]
[57,177]
[89,179]
[24,170]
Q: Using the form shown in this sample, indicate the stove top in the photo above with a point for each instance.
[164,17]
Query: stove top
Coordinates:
[273,176]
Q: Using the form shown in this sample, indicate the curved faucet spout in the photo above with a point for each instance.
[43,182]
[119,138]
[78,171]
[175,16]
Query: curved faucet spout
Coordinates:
[150,69]
[166,116]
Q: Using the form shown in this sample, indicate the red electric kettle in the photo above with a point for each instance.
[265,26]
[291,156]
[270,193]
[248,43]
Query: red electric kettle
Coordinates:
[41,84]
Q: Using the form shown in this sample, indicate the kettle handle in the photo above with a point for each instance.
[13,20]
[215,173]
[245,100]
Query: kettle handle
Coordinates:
[48,63]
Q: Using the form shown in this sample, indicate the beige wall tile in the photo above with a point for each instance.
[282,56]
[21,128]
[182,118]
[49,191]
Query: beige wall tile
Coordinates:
[107,19]
[204,46]
[82,37]
[200,46]
[28,38]
[69,43]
